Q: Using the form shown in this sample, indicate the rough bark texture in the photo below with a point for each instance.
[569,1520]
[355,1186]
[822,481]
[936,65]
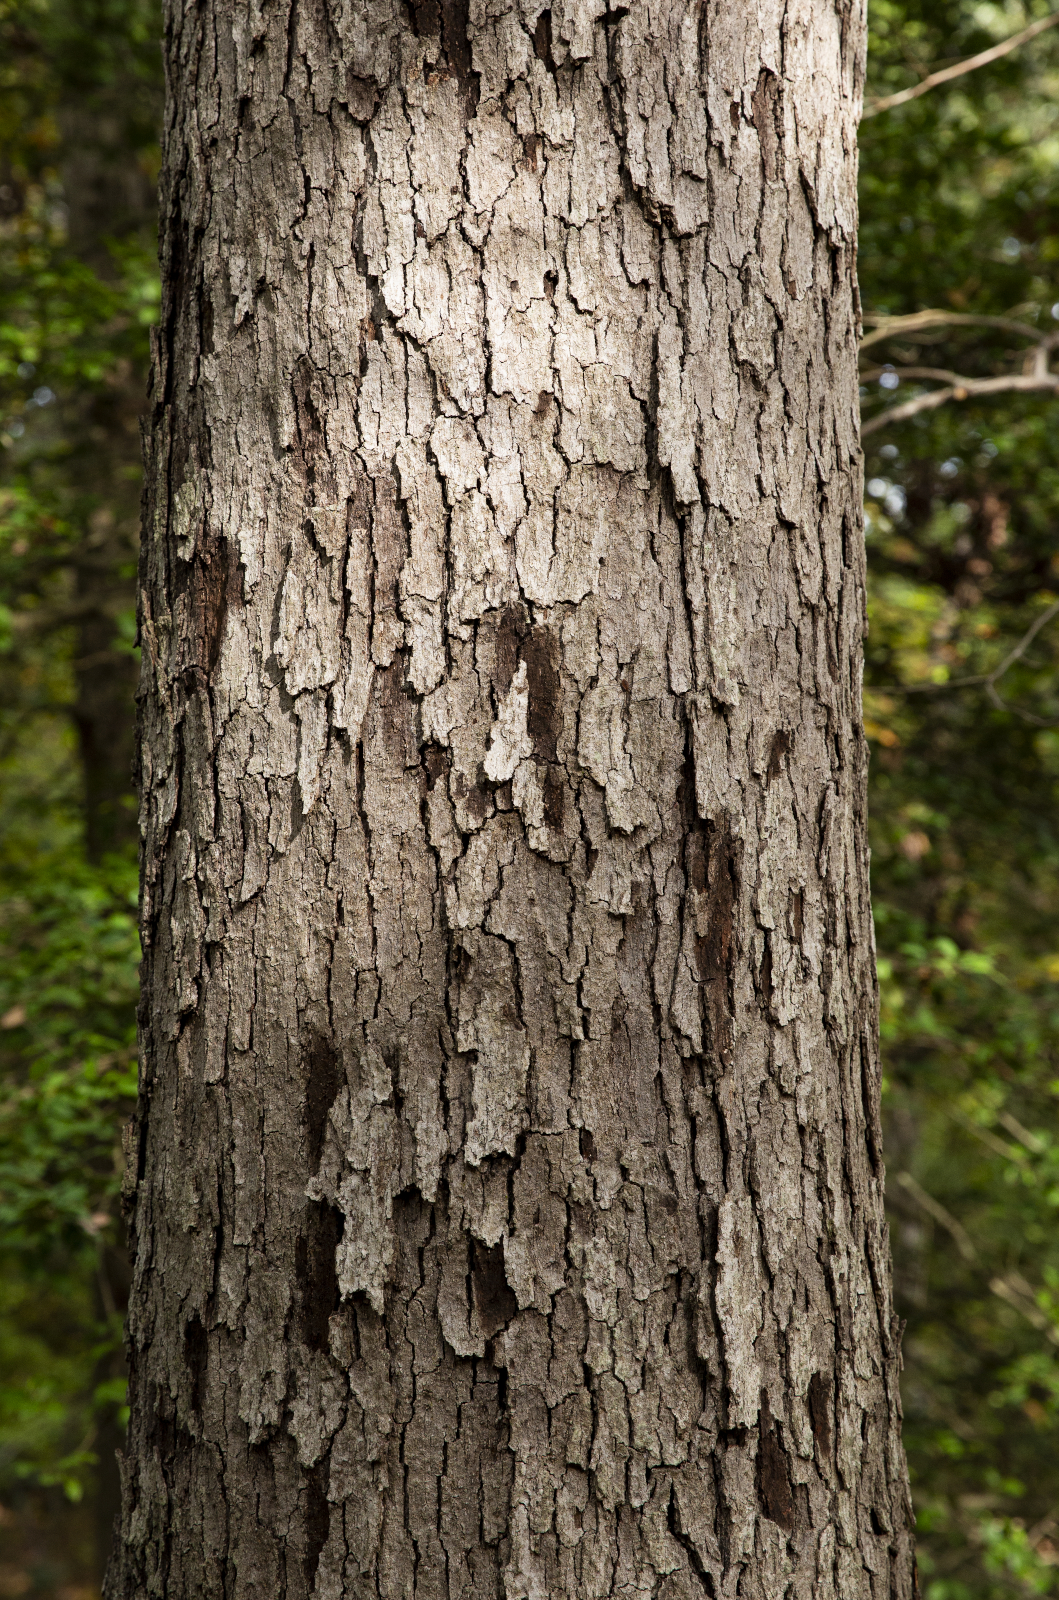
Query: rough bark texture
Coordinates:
[508,1189]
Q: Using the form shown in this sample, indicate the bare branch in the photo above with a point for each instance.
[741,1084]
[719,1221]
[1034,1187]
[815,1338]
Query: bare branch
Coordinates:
[939,374]
[963,389]
[935,1209]
[1019,1294]
[1013,1289]
[888,327]
[1032,1141]
[1034,377]
[947,74]
[1025,642]
[986,680]
[44,619]
[100,658]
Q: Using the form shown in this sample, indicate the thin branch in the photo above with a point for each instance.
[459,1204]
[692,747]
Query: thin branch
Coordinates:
[1023,645]
[887,327]
[1027,716]
[987,1137]
[101,658]
[1025,642]
[1035,376]
[1017,1293]
[1012,1289]
[935,1209]
[985,680]
[947,74]
[1032,1141]
[964,389]
[44,619]
[938,374]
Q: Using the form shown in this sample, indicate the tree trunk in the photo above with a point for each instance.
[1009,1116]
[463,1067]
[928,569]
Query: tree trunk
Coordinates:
[105,463]
[508,1186]
[106,194]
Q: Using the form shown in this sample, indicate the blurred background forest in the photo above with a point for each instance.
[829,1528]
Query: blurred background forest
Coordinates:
[960,217]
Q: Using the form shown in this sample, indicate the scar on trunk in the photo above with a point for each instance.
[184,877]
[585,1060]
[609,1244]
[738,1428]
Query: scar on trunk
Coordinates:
[773,1483]
[216,587]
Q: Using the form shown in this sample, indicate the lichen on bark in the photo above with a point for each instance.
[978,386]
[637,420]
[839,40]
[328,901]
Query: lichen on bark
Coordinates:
[508,1207]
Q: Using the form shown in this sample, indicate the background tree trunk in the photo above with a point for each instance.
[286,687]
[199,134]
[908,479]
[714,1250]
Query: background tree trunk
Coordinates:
[508,1184]
[107,195]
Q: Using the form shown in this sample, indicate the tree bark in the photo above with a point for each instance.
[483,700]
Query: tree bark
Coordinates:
[508,1185]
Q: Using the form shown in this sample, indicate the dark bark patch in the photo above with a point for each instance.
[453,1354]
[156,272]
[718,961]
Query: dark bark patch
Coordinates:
[796,912]
[696,856]
[477,803]
[474,798]
[544,718]
[177,297]
[554,800]
[447,20]
[820,1413]
[542,40]
[508,635]
[323,1080]
[454,19]
[870,1098]
[773,1483]
[765,976]
[715,947]
[395,717]
[206,325]
[215,587]
[781,749]
[362,96]
[768,120]
[196,1355]
[425,17]
[167,1434]
[316,1274]
[310,458]
[437,762]
[494,1300]
[317,1519]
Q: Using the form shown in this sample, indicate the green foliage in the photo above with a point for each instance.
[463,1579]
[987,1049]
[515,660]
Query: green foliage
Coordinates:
[79,84]
[68,954]
[960,211]
[68,1053]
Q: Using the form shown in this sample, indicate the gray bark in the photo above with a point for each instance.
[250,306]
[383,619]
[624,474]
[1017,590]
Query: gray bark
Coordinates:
[507,1188]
